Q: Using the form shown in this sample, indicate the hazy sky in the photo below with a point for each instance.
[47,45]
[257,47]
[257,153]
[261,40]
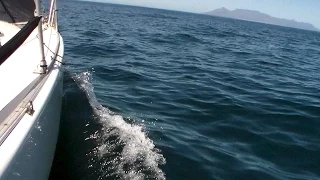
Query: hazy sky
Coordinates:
[300,10]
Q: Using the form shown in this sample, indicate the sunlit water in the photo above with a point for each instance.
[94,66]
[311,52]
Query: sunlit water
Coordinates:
[156,94]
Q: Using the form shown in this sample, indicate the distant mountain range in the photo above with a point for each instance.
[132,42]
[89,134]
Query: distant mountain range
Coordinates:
[257,16]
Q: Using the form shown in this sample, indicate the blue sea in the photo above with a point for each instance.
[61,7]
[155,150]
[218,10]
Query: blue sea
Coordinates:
[158,94]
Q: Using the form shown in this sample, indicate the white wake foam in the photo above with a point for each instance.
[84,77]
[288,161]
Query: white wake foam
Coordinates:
[137,158]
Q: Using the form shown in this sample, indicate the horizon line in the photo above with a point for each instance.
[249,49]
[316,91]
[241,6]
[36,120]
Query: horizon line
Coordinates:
[203,13]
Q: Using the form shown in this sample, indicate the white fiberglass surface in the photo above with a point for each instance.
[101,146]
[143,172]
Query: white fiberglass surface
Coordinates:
[18,142]
[17,72]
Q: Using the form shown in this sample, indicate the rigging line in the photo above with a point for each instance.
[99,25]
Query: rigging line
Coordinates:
[5,8]
[63,63]
[49,39]
[37,37]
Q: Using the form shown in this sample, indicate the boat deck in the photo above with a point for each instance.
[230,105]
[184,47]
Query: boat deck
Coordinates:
[18,71]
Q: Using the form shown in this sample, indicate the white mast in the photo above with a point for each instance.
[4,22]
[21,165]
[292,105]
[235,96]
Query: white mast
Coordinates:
[43,63]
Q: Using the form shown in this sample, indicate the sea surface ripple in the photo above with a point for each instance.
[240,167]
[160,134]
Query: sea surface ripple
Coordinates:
[157,94]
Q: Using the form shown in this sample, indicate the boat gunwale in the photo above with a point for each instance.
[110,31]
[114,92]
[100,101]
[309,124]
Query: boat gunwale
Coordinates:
[15,110]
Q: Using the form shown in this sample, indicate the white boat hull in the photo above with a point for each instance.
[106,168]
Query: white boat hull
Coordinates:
[31,91]
[28,152]
[34,159]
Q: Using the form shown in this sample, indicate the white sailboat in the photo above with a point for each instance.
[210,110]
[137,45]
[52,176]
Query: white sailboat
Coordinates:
[30,88]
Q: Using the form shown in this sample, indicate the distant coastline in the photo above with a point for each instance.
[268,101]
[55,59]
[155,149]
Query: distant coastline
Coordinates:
[256,16]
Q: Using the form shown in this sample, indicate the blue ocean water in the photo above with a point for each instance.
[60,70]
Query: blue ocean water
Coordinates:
[157,94]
